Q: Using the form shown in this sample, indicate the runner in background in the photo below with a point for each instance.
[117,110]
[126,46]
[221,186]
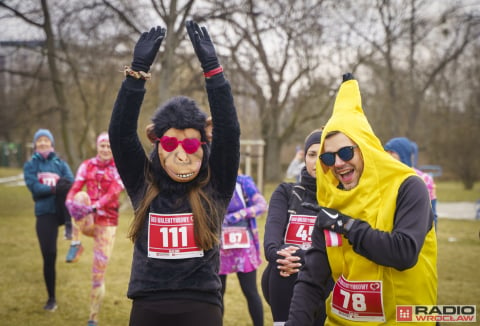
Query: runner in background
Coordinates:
[288,234]
[95,211]
[406,151]
[240,247]
[47,177]
[294,170]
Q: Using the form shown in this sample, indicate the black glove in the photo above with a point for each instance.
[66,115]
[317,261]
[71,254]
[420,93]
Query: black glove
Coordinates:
[63,186]
[146,48]
[203,46]
[347,76]
[331,219]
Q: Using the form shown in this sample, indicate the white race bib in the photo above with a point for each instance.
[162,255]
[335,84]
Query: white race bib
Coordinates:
[299,230]
[235,237]
[171,236]
[358,300]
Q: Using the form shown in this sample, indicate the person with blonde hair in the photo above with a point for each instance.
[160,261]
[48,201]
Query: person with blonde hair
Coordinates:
[95,211]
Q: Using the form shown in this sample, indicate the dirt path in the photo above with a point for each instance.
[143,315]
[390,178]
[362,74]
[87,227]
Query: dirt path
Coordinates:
[457,210]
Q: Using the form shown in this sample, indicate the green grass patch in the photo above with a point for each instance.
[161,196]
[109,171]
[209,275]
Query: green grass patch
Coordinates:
[454,191]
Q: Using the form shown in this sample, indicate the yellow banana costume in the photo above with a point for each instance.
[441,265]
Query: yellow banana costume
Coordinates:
[373,200]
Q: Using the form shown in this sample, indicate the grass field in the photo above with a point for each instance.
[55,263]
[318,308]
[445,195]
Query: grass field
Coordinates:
[22,290]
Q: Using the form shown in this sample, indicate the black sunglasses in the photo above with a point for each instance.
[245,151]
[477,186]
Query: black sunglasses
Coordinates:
[345,153]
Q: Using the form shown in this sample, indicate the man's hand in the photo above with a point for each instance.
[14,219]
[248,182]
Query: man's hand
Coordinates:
[331,219]
[203,46]
[146,48]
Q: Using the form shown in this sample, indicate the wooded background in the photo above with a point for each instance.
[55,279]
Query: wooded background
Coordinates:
[416,63]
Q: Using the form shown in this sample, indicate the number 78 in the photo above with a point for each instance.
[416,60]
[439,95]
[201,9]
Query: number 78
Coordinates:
[358,300]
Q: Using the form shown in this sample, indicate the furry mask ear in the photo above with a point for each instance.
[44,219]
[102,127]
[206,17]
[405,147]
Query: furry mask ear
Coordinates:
[209,129]
[150,131]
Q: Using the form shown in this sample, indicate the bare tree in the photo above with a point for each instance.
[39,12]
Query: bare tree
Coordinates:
[170,14]
[456,102]
[408,45]
[40,18]
[64,55]
[273,61]
[284,60]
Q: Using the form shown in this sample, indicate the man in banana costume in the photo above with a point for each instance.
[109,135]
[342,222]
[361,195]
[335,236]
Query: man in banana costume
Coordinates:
[373,232]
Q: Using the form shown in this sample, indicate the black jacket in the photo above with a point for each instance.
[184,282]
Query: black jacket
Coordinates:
[192,278]
[378,246]
[279,215]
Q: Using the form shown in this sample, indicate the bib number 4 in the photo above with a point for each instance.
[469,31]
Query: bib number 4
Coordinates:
[299,230]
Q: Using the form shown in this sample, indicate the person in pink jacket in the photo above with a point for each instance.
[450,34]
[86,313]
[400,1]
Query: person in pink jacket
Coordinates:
[95,212]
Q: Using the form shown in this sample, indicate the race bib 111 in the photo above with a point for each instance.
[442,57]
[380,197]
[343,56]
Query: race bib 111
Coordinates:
[171,236]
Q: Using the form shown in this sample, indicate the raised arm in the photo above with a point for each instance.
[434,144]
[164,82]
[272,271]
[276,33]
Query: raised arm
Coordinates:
[127,150]
[225,147]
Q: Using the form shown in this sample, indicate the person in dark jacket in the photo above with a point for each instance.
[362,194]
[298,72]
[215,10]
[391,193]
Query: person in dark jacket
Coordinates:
[48,178]
[288,234]
[180,192]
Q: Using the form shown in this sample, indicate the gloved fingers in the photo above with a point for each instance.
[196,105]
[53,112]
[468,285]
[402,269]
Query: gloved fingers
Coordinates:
[160,34]
[191,31]
[206,36]
[197,30]
[143,36]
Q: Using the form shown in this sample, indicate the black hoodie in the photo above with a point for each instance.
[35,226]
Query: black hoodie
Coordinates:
[188,278]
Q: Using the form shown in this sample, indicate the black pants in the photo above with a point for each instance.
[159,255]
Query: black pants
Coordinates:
[248,283]
[174,313]
[278,292]
[47,232]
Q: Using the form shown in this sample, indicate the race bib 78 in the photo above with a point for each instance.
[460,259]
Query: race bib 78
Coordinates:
[358,300]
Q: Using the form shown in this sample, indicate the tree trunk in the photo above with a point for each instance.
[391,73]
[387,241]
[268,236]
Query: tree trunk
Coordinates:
[57,83]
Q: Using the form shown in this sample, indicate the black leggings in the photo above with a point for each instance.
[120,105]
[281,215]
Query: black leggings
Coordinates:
[47,232]
[174,313]
[248,283]
[278,292]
